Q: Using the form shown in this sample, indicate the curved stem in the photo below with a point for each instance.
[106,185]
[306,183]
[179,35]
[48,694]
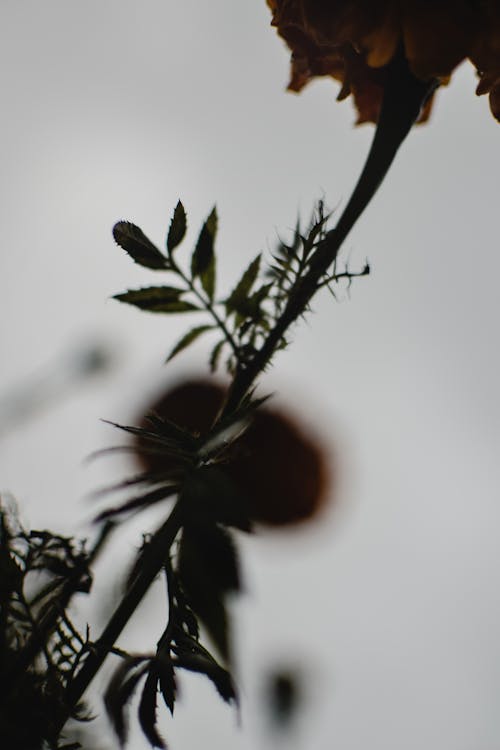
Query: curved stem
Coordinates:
[404,97]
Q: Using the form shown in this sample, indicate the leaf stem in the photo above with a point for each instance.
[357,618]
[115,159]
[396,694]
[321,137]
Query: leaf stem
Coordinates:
[209,308]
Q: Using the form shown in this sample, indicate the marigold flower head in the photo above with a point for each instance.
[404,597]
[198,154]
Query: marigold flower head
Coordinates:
[353,41]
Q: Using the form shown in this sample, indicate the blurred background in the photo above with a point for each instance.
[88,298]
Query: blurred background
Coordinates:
[386,610]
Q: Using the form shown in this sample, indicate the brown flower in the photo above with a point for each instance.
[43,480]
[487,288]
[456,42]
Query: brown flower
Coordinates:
[353,41]
[281,471]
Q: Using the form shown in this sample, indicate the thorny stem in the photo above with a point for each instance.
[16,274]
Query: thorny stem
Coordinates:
[209,308]
[344,275]
[404,97]
[154,559]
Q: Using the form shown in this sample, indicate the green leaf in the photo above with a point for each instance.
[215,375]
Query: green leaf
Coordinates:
[260,295]
[207,279]
[133,240]
[204,250]
[188,339]
[159,299]
[177,228]
[241,291]
[252,308]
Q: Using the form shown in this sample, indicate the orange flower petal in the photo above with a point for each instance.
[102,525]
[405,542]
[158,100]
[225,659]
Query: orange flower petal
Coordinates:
[436,36]
[353,40]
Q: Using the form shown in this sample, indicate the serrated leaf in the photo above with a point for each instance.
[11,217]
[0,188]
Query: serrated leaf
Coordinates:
[133,240]
[207,279]
[119,692]
[204,663]
[244,286]
[177,229]
[188,339]
[223,682]
[157,299]
[167,683]
[260,295]
[252,307]
[204,249]
[147,711]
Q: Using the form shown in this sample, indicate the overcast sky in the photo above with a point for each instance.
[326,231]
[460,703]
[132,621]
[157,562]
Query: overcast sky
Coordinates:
[115,110]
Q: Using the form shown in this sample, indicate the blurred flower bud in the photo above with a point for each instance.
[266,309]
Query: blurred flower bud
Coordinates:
[280,468]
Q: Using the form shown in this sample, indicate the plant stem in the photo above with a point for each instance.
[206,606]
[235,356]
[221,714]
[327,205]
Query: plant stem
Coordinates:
[209,308]
[153,560]
[404,97]
[45,626]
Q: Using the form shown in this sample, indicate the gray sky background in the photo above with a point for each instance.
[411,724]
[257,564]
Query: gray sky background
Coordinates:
[115,110]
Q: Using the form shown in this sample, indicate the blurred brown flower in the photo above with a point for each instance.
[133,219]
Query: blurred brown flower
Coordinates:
[280,469]
[353,41]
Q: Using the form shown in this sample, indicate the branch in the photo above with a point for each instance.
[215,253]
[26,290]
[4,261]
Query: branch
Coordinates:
[152,562]
[404,97]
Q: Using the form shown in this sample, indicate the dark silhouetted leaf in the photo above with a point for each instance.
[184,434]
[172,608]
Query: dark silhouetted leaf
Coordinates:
[223,682]
[120,691]
[203,663]
[177,228]
[167,436]
[142,501]
[145,477]
[204,250]
[133,240]
[188,339]
[215,498]
[207,279]
[147,710]
[242,290]
[167,683]
[185,614]
[10,574]
[208,569]
[258,297]
[157,299]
